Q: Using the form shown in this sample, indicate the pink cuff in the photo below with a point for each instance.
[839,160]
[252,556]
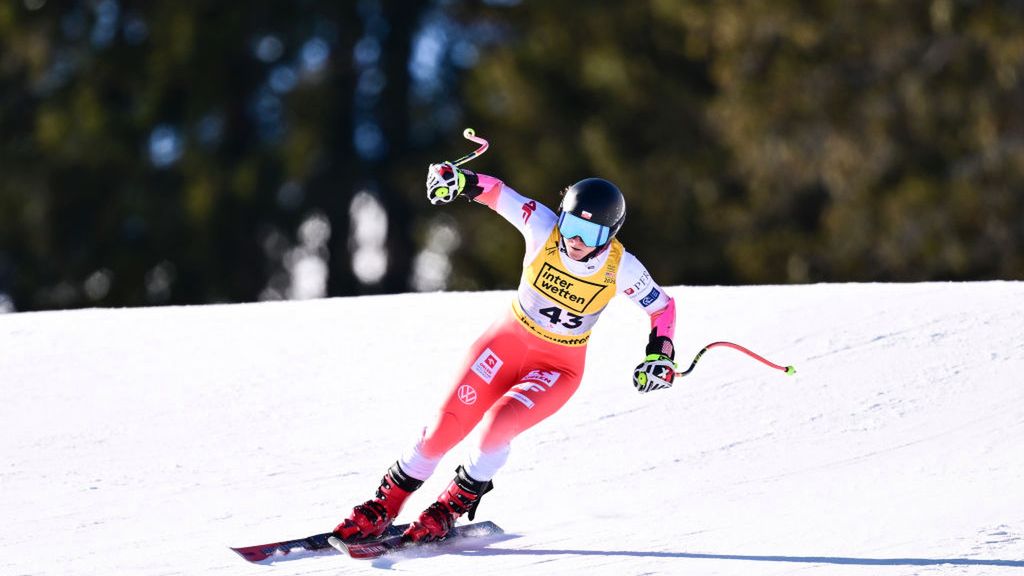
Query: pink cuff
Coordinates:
[492,190]
[664,321]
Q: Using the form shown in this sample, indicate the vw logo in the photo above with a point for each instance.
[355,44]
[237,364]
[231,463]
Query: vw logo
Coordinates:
[467,394]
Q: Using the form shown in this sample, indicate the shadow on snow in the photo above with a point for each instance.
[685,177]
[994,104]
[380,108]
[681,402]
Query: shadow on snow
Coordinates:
[483,547]
[842,560]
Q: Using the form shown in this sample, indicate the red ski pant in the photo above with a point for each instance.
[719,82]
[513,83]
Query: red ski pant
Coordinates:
[512,380]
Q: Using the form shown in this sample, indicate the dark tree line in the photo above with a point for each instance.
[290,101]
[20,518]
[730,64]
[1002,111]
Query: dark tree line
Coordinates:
[189,152]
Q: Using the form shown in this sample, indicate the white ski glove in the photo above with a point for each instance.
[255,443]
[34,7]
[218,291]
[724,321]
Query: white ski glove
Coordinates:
[446,182]
[657,371]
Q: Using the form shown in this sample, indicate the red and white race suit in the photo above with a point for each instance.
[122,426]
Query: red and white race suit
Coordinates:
[529,362]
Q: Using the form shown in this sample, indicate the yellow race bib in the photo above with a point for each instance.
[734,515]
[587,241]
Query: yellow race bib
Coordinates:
[559,306]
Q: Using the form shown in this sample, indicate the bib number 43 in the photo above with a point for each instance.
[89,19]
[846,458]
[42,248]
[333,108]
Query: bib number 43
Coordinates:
[554,313]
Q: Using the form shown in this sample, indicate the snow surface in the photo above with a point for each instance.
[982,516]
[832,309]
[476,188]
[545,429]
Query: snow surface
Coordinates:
[147,441]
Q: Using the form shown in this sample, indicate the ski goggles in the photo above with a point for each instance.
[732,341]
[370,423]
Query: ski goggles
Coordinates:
[592,233]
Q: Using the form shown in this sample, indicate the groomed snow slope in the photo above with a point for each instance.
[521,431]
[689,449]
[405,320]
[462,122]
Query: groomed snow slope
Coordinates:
[147,441]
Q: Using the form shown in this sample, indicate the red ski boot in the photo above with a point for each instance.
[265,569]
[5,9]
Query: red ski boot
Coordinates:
[462,496]
[371,518]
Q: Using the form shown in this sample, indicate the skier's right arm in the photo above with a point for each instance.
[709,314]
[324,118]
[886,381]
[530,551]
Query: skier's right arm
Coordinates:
[446,182]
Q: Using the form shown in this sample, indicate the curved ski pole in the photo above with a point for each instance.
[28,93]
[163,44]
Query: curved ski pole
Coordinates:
[787,369]
[470,134]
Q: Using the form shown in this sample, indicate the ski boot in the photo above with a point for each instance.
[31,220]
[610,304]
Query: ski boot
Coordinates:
[462,496]
[371,518]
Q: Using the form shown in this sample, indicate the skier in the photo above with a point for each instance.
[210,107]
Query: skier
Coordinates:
[529,362]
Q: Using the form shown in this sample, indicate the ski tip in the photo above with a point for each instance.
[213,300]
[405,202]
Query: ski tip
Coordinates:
[251,553]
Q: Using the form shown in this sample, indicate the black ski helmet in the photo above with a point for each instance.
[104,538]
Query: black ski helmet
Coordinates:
[595,200]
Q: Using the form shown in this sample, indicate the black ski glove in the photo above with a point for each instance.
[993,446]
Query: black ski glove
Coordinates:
[658,370]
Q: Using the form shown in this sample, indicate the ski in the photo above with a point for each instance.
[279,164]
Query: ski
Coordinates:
[319,544]
[287,549]
[369,549]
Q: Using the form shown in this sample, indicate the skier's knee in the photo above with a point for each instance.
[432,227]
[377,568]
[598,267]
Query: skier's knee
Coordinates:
[501,428]
[443,436]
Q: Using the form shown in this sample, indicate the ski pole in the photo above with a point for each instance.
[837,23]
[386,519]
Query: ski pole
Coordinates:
[787,369]
[470,134]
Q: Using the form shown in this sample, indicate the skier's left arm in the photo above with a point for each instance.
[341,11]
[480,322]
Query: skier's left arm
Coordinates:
[658,370]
